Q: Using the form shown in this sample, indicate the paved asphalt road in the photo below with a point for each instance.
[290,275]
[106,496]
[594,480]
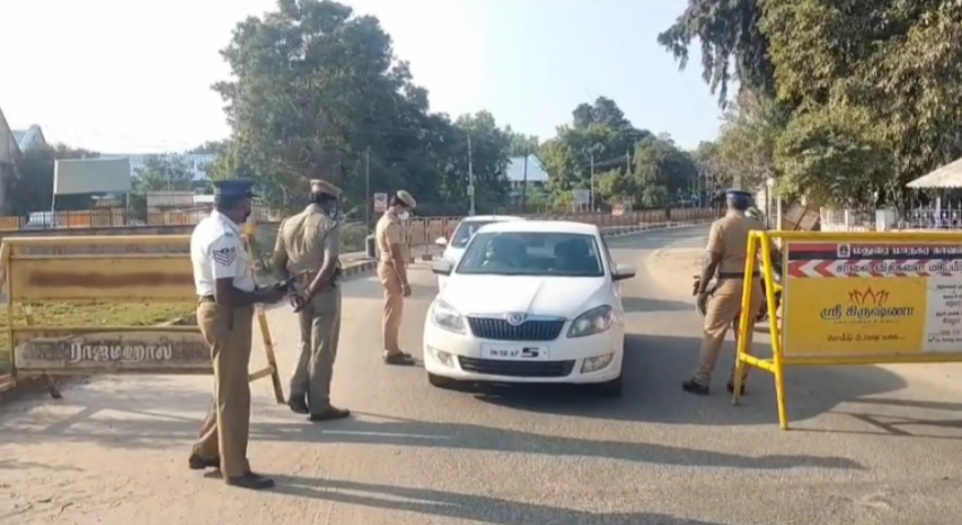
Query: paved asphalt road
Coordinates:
[869,449]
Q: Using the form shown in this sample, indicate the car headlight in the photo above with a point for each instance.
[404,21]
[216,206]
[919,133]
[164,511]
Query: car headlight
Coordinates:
[445,316]
[594,321]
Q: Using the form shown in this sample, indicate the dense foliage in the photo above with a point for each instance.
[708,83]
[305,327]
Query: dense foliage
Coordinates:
[853,99]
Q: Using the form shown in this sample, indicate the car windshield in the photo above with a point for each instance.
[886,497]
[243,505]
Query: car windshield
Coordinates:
[551,254]
[465,231]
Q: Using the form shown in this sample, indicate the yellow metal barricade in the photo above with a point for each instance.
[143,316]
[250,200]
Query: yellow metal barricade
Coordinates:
[107,269]
[854,298]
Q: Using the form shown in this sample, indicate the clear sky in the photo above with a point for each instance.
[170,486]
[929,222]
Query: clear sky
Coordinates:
[126,76]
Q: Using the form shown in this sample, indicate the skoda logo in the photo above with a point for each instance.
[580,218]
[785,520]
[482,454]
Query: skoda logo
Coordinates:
[514,319]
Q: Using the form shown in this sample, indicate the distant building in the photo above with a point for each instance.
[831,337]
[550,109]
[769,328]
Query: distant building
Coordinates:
[9,153]
[30,138]
[536,179]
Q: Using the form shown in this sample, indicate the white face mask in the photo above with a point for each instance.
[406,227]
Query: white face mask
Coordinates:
[404,215]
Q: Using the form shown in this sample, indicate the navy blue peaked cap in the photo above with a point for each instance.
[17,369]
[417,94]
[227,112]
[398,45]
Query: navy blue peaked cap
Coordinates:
[234,188]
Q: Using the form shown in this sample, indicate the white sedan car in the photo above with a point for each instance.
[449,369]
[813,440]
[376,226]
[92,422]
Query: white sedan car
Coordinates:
[529,302]
[454,247]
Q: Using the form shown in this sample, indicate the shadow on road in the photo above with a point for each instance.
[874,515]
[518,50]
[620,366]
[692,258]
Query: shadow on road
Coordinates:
[111,422]
[648,304]
[482,509]
[655,366]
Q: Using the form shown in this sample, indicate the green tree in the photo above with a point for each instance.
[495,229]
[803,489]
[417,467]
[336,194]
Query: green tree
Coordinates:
[318,92]
[733,46]
[520,144]
[598,135]
[900,62]
[834,156]
[746,143]
[33,184]
[662,172]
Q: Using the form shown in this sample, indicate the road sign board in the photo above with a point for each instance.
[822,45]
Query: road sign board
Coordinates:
[380,202]
[581,197]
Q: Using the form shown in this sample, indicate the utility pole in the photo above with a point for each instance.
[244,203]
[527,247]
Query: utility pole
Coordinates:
[524,184]
[470,176]
[591,191]
[367,191]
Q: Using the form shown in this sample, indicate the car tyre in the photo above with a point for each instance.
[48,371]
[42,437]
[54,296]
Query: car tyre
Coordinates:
[439,381]
[612,388]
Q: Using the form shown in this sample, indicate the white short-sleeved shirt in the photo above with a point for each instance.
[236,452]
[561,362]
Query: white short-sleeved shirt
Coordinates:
[217,251]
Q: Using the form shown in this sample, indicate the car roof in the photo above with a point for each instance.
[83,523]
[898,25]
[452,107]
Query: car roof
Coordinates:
[541,227]
[495,218]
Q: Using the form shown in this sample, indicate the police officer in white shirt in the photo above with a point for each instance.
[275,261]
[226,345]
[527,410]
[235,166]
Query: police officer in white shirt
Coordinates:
[223,275]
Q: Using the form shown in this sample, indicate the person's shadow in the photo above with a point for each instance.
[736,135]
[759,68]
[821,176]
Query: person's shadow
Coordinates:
[481,509]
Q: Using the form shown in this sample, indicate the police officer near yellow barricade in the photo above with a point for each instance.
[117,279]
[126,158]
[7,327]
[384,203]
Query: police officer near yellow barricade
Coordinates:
[727,245]
[224,279]
[309,244]
[392,272]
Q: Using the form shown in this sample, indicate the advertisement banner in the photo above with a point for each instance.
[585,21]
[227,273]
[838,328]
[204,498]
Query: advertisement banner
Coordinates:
[852,299]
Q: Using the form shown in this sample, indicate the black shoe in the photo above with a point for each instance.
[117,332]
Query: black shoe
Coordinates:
[399,359]
[731,387]
[331,413]
[693,387]
[298,404]
[251,481]
[196,462]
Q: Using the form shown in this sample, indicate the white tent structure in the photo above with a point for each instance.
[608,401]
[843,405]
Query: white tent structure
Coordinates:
[946,177]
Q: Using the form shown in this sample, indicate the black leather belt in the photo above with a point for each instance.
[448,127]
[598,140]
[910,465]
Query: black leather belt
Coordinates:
[207,299]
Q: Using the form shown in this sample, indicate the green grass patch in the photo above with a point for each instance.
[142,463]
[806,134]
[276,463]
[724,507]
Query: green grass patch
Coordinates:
[89,314]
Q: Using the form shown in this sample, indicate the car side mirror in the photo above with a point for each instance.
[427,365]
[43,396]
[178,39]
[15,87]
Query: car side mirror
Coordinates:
[442,267]
[622,272]
[441,241]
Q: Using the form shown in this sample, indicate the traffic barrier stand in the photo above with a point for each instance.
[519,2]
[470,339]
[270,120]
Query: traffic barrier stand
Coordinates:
[854,298]
[113,269]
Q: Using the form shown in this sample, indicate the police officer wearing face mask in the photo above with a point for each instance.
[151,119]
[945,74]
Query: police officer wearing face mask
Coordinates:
[392,272]
[309,244]
[224,278]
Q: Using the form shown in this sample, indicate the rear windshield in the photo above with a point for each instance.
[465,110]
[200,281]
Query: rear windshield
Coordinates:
[465,231]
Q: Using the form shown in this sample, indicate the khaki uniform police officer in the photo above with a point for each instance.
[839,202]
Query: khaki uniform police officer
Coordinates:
[392,272]
[727,245]
[225,285]
[309,243]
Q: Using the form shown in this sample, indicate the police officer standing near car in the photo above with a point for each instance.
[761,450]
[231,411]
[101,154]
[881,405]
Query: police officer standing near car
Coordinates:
[309,244]
[223,276]
[392,272]
[727,246]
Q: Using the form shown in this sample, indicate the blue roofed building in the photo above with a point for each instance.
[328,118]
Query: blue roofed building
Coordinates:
[533,177]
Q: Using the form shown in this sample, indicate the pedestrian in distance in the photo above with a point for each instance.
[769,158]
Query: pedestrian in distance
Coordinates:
[309,244]
[727,251]
[227,292]
[392,272]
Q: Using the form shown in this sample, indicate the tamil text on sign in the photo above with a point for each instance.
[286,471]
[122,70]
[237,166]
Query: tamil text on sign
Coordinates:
[872,298]
[142,351]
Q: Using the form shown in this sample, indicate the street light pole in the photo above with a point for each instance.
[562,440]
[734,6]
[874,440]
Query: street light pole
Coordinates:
[470,176]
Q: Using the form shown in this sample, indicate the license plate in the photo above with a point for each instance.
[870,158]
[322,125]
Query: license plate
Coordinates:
[516,353]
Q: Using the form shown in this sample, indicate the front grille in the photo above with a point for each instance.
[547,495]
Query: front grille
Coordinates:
[501,330]
[496,367]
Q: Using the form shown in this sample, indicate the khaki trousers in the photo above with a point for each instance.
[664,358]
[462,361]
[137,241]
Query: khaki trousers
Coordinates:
[393,306]
[224,433]
[722,312]
[320,333]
